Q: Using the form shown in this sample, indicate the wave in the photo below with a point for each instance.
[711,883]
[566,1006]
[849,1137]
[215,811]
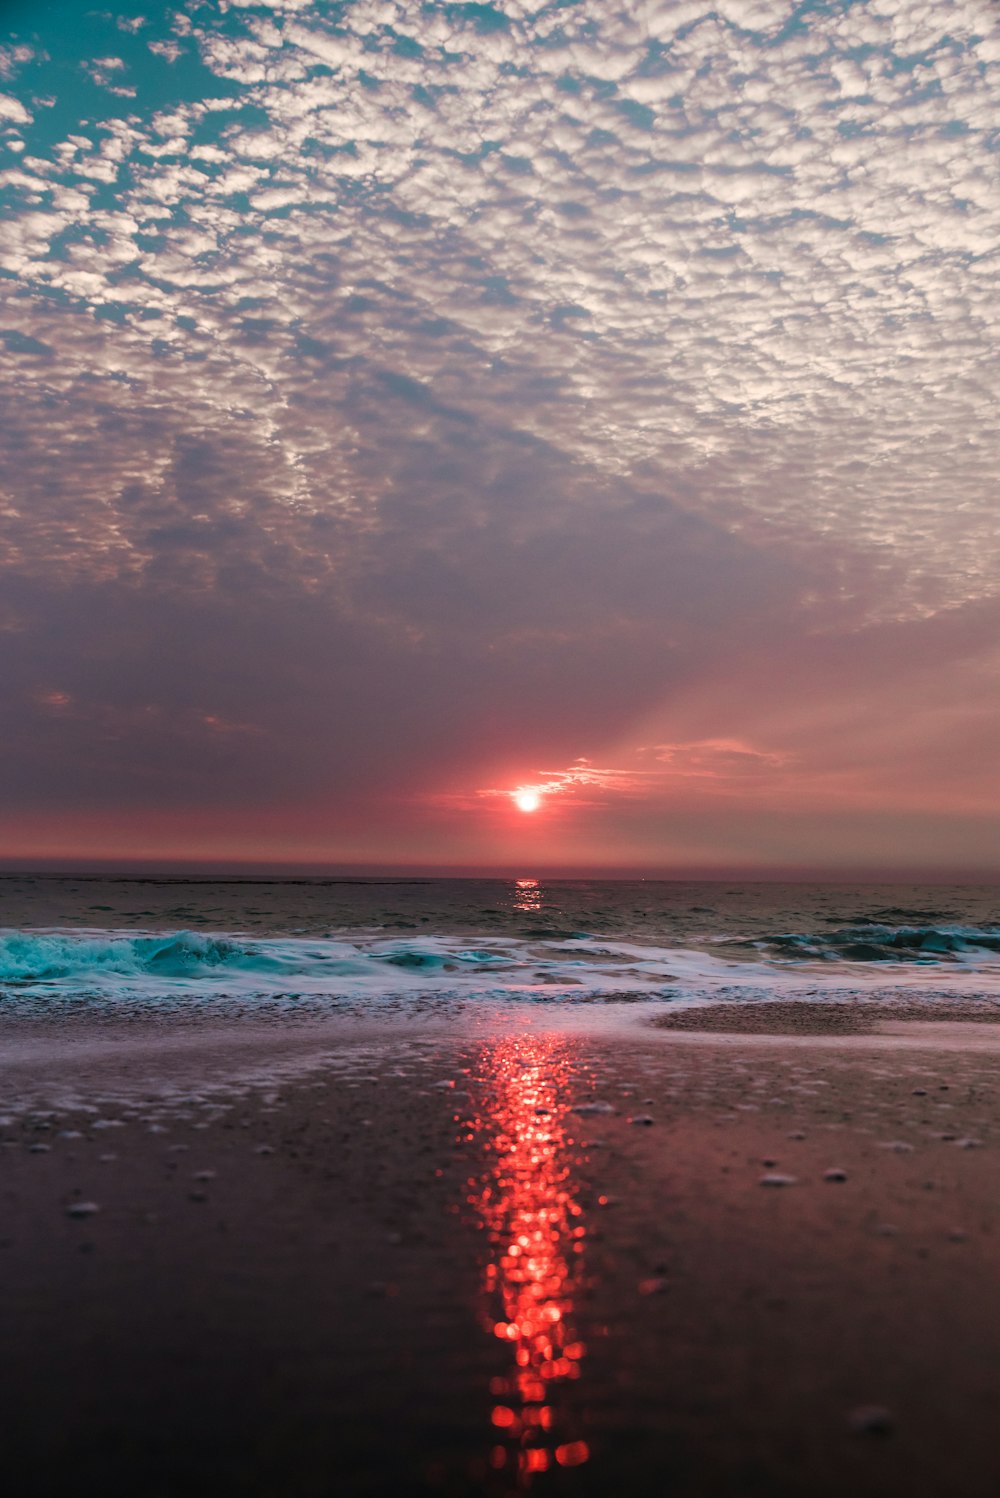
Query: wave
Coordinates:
[872,941]
[47,957]
[44,971]
[88,967]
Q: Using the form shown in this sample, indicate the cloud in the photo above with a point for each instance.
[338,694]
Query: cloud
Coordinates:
[760,271]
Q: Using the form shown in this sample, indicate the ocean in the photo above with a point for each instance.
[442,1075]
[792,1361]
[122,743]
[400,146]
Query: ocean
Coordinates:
[121,946]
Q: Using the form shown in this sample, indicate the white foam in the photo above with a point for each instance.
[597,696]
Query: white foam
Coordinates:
[160,970]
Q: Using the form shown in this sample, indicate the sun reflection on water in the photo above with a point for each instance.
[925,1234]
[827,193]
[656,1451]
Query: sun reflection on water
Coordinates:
[527,895]
[526,1200]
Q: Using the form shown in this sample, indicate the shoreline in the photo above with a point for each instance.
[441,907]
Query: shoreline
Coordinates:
[291,1261]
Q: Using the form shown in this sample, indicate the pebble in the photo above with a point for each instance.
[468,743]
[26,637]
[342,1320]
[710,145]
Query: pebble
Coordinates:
[870,1420]
[39,1149]
[898,1147]
[264,1149]
[835,1174]
[82,1209]
[641,1118]
[968,1144]
[204,1175]
[592,1108]
[772,1178]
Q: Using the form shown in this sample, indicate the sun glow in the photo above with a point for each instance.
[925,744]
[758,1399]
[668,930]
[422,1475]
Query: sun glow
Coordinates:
[527,800]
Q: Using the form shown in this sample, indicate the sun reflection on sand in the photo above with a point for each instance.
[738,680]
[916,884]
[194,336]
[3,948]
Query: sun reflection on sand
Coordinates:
[526,1201]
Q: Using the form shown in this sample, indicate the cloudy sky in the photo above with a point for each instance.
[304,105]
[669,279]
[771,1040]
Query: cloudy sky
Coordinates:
[410,404]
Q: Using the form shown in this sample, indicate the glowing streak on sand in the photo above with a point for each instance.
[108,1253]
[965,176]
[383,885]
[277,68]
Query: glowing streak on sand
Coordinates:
[526,1201]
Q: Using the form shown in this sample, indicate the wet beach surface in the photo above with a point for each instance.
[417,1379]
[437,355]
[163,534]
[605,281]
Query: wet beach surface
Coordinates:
[504,1260]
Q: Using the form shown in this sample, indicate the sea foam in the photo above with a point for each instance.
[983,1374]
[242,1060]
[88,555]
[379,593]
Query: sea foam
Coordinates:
[47,969]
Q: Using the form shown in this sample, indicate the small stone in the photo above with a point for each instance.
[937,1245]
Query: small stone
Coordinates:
[587,1108]
[920,1092]
[82,1209]
[835,1174]
[107,1159]
[264,1149]
[641,1118]
[655,1285]
[797,1134]
[968,1144]
[203,1175]
[957,1235]
[898,1147]
[773,1178]
[39,1149]
[107,1123]
[870,1420]
[69,1134]
[198,1196]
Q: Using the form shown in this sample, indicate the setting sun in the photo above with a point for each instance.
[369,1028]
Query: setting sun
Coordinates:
[527,800]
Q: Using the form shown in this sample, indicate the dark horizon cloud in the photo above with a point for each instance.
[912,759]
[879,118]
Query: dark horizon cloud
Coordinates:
[405,404]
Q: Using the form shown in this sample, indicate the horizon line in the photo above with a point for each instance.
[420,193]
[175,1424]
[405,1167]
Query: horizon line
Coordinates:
[265,871]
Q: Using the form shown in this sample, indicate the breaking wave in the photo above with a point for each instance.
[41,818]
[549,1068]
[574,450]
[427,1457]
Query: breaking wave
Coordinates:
[45,971]
[870,941]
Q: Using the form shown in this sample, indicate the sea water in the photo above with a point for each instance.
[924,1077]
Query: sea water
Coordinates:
[124,945]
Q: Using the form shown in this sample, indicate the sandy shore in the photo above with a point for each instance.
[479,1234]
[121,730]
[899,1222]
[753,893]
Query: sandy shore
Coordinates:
[306,1273]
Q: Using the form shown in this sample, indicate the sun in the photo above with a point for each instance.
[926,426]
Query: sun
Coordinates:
[527,800]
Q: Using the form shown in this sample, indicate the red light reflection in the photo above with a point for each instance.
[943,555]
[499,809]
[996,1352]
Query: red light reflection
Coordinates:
[527,895]
[526,1200]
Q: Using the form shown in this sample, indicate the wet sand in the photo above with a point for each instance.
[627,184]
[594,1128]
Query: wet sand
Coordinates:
[302,1276]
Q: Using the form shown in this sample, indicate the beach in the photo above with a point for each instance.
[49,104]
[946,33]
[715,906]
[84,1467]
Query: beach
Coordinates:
[767,1261]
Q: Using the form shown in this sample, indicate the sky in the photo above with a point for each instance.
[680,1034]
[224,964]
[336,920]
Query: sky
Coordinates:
[409,408]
